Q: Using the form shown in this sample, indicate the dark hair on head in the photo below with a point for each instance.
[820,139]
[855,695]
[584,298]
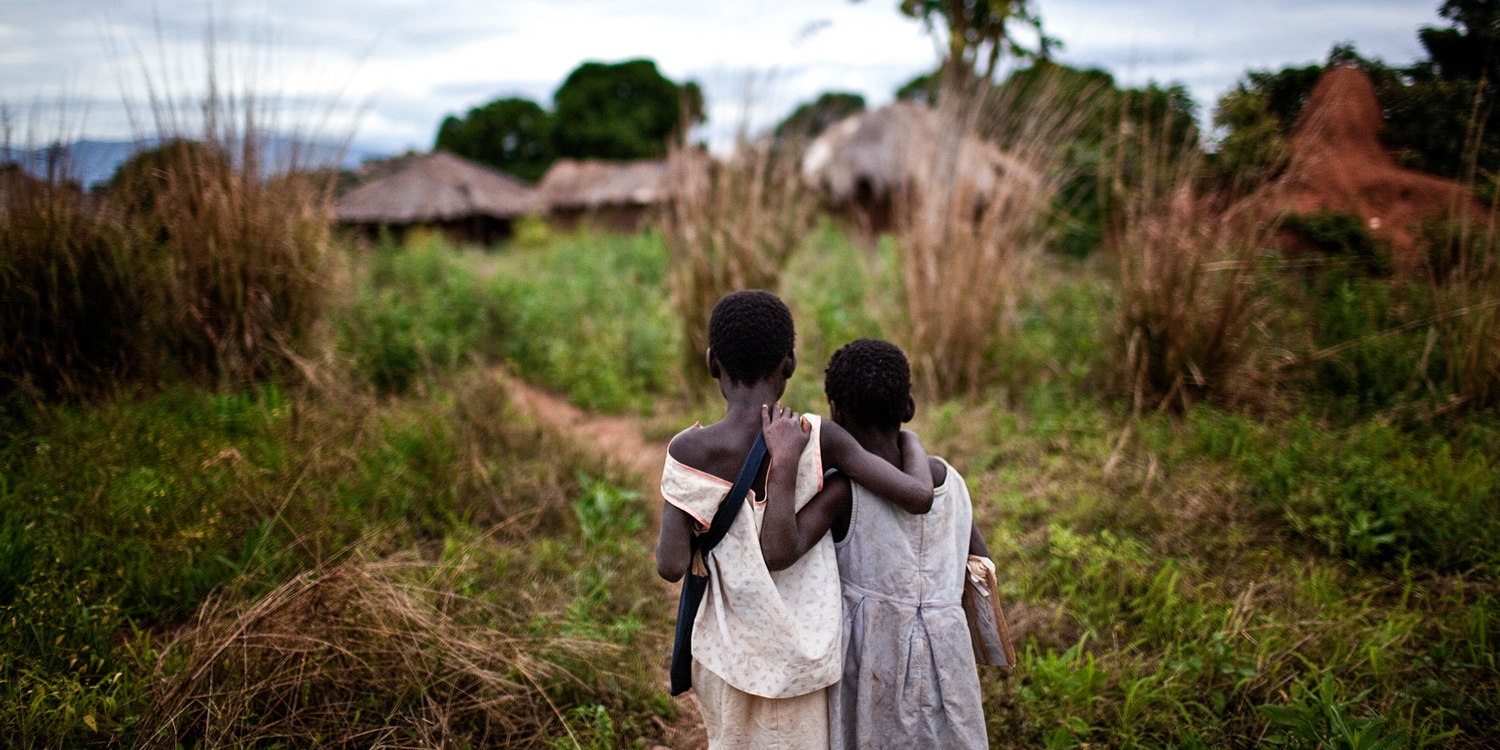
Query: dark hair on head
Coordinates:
[869,380]
[751,332]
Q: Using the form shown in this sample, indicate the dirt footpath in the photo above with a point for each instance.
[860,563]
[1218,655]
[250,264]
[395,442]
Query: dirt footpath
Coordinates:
[623,441]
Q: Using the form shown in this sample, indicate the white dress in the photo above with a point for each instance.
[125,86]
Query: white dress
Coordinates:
[909,678]
[774,635]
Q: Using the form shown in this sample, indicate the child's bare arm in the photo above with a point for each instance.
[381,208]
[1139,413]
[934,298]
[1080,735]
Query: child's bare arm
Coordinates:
[673,543]
[910,488]
[976,542]
[786,435]
[813,521]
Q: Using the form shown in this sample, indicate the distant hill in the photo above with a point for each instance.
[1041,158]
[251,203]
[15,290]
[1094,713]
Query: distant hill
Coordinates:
[91,162]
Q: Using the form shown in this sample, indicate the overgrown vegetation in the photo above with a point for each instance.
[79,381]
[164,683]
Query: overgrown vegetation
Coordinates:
[1237,470]
[406,561]
[193,265]
[587,315]
[729,225]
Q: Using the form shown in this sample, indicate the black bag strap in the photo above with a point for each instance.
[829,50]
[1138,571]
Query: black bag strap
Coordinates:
[730,507]
[693,586]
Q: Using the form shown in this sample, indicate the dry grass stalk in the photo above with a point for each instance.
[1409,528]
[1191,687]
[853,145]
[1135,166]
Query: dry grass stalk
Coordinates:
[367,654]
[1466,297]
[71,304]
[1188,299]
[248,255]
[968,240]
[730,224]
[200,260]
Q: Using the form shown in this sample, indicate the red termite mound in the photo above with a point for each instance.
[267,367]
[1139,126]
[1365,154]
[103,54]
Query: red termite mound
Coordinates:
[1337,163]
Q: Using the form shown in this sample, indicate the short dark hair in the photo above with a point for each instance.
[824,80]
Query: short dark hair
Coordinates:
[870,381]
[751,332]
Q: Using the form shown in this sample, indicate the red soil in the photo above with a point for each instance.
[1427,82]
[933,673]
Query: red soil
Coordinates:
[1337,163]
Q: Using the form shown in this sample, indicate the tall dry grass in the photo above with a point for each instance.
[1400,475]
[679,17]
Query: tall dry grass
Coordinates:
[368,654]
[199,261]
[71,297]
[971,220]
[730,224]
[1188,302]
[1464,271]
[246,263]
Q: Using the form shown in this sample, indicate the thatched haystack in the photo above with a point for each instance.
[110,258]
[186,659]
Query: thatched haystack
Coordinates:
[864,162]
[1337,163]
[612,195]
[443,191]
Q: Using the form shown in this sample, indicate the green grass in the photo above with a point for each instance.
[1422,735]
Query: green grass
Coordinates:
[1320,577]
[1317,579]
[590,316]
[1179,598]
[585,314]
[119,521]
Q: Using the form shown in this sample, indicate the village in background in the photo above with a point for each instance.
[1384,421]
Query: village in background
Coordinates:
[301,447]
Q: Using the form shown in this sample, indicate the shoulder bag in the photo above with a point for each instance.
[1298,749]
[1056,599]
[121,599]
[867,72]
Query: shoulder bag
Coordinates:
[695,582]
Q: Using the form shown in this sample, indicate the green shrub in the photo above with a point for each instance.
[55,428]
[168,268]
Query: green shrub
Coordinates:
[1371,493]
[1342,235]
[591,317]
[1380,366]
[417,312]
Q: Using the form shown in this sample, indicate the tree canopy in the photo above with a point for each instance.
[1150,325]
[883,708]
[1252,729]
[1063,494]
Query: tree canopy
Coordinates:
[623,111]
[601,111]
[512,135]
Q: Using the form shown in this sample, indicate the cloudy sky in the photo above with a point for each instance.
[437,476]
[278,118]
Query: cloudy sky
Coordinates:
[397,66]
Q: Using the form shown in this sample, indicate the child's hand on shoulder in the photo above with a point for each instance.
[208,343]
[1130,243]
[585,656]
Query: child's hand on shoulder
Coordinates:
[786,431]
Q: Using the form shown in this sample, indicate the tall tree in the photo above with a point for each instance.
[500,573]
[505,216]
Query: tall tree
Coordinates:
[1466,50]
[628,110]
[513,135]
[980,35]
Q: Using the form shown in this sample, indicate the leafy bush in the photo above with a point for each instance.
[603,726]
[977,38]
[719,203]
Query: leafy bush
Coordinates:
[1341,235]
[1371,493]
[590,316]
[417,312]
[1373,350]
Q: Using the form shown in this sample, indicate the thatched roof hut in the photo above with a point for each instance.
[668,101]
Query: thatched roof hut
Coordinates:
[863,161]
[441,190]
[616,195]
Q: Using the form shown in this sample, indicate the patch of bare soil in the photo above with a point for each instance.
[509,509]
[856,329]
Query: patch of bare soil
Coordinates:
[622,440]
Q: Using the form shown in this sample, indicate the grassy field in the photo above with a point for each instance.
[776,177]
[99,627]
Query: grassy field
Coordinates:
[397,557]
[1322,576]
[1318,577]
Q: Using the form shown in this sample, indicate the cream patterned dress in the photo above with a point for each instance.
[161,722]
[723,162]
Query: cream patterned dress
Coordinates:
[764,634]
